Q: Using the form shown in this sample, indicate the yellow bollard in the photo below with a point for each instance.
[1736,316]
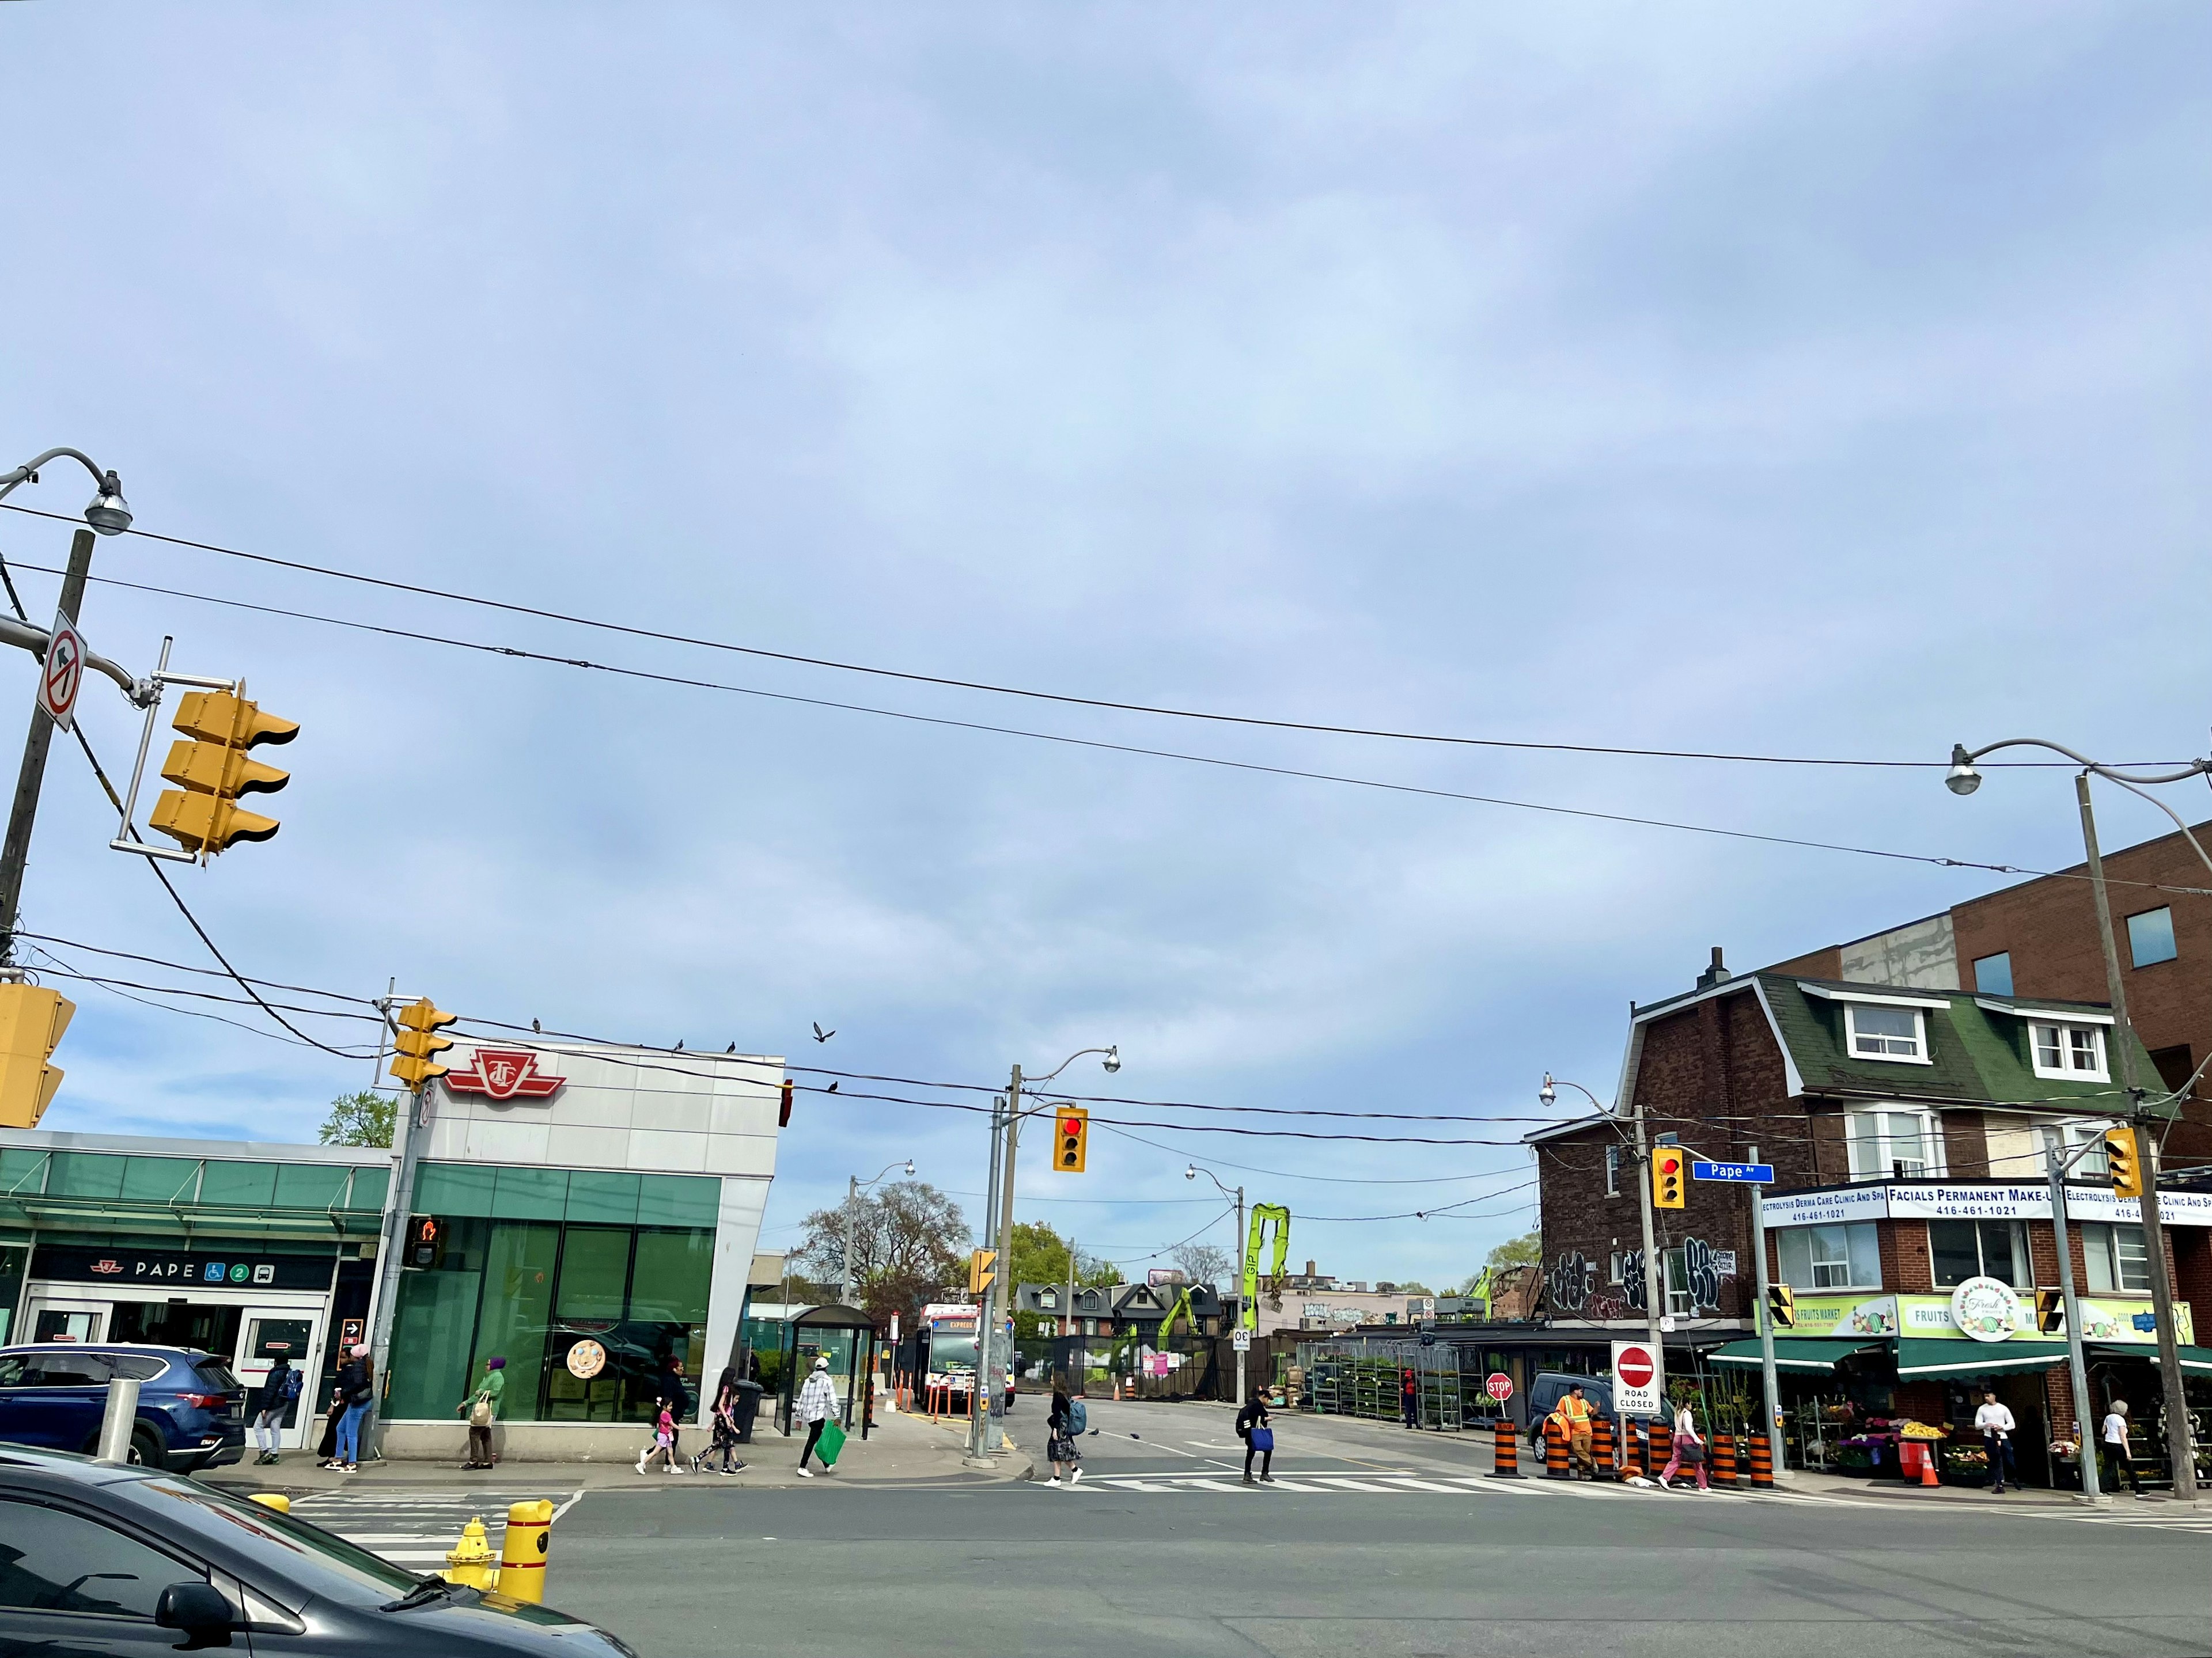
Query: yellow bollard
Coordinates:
[273,1500]
[522,1550]
[470,1564]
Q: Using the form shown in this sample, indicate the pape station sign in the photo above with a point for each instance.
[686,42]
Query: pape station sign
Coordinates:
[182,1272]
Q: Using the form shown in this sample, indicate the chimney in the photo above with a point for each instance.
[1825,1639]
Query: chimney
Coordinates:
[1715,974]
[1309,1270]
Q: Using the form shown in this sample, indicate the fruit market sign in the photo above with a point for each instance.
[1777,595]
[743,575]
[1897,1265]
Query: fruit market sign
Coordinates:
[1985,1309]
[1872,1317]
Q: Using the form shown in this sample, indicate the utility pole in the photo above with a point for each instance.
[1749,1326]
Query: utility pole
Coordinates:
[1655,1270]
[851,1203]
[1076,1363]
[978,1416]
[1004,1282]
[2179,1445]
[1763,1316]
[1242,1352]
[2085,1425]
[15,851]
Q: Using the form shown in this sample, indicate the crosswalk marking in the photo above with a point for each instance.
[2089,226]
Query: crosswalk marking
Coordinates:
[416,1529]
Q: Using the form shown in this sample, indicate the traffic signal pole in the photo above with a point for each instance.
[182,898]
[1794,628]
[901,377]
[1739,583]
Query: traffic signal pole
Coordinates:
[1765,1314]
[15,851]
[1655,1270]
[2084,1424]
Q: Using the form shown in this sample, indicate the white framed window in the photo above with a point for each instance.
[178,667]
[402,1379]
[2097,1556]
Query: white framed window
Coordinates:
[2070,1053]
[1613,1265]
[1678,1283]
[2117,1260]
[1613,1175]
[1838,1257]
[2090,1165]
[1897,1034]
[1894,1144]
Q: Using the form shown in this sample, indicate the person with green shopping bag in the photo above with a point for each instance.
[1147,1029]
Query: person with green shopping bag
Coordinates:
[482,1408]
[816,1407]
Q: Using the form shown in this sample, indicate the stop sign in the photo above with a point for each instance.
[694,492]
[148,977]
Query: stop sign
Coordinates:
[1634,1366]
[1499,1387]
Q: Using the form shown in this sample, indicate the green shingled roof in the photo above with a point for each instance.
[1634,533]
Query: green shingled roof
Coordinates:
[1979,1053]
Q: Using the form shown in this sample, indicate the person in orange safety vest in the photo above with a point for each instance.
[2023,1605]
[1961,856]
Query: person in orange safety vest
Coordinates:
[1576,1423]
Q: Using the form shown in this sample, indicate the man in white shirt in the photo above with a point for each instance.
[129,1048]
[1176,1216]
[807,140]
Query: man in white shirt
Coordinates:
[1993,1421]
[2116,1459]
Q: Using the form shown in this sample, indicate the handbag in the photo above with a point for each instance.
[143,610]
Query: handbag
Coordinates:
[1690,1452]
[480,1413]
[831,1443]
[1263,1439]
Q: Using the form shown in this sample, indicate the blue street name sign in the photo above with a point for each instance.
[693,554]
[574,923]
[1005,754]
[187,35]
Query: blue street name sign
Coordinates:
[1744,1173]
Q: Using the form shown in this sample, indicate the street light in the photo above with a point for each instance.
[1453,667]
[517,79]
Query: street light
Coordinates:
[1241,1254]
[853,1188]
[1963,779]
[109,513]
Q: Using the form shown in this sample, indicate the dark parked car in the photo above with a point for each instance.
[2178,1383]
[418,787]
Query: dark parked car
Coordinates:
[192,1409]
[102,1560]
[1550,1386]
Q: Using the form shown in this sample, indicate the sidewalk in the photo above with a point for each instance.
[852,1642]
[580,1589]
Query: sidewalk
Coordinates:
[899,1450]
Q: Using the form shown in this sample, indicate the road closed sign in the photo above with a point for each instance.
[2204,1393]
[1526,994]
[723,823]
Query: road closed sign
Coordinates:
[1637,1379]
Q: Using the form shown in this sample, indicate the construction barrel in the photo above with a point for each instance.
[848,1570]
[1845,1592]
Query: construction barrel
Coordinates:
[1601,1447]
[1762,1463]
[1505,1456]
[1723,1469]
[1555,1451]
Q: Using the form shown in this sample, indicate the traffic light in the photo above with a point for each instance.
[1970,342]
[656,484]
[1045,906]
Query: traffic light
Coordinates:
[425,1233]
[2050,1313]
[783,1111]
[31,1020]
[2120,1159]
[982,1265]
[202,814]
[1071,1137]
[1667,1168]
[417,1039]
[1781,1307]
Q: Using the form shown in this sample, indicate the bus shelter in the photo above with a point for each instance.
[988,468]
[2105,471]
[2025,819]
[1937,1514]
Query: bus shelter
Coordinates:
[845,1336]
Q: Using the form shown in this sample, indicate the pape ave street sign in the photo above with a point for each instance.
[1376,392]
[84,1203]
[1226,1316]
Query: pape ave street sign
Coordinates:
[62,673]
[1742,1174]
[1636,1379]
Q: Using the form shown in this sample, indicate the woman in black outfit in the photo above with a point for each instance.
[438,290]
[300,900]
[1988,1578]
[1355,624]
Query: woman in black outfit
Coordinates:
[1252,1428]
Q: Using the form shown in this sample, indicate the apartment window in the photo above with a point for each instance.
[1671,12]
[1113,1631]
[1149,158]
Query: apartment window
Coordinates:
[2090,1165]
[1678,1283]
[1612,1172]
[2118,1262]
[1872,1032]
[1900,1144]
[2073,1052]
[1960,1249]
[1993,974]
[1613,1265]
[2150,937]
[1845,1257]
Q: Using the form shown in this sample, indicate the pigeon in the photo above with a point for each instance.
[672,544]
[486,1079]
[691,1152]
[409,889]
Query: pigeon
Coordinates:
[533,1025]
[820,1035]
[831,1089]
[678,1048]
[732,1048]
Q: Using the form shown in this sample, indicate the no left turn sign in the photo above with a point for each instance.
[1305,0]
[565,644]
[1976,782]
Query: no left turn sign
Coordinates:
[62,672]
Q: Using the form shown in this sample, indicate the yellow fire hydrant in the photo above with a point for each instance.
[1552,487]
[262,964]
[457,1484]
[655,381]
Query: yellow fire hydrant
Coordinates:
[523,1549]
[470,1565]
[275,1500]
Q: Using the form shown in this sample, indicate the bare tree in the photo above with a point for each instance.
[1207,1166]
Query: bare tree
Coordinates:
[1203,1263]
[909,1241]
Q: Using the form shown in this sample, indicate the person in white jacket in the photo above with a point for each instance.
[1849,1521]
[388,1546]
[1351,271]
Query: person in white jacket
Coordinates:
[816,1400]
[1995,1423]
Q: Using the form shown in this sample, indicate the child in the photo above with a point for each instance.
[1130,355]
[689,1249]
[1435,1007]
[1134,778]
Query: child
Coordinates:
[664,1442]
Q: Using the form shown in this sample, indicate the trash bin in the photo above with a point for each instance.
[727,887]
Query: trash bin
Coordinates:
[748,1403]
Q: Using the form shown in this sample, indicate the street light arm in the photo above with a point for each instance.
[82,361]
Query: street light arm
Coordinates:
[29,470]
[29,636]
[2194,769]
[1216,1179]
[1561,1082]
[896,1163]
[1064,1064]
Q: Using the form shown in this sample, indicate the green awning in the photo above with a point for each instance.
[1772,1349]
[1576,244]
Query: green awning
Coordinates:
[2196,1361]
[1932,1356]
[1790,1353]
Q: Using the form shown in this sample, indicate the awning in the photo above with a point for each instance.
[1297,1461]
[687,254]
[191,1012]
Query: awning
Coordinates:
[1790,1353]
[1930,1356]
[2195,1361]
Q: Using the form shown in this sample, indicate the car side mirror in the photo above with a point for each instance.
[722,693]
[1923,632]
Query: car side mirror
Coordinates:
[200,1609]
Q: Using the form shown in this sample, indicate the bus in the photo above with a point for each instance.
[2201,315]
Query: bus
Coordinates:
[946,1338]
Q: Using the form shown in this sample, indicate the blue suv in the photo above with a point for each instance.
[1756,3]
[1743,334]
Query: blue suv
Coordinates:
[192,1409]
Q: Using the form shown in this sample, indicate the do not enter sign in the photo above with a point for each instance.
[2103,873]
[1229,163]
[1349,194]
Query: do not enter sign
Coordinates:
[1499,1387]
[1637,1377]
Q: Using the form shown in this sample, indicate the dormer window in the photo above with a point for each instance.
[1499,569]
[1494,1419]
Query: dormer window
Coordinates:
[2070,1053]
[1898,1034]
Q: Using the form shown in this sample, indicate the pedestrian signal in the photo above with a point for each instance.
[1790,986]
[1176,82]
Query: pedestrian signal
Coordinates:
[1667,1165]
[1070,1136]
[32,1021]
[982,1270]
[2050,1313]
[1781,1307]
[425,1233]
[416,1040]
[202,814]
[2122,1159]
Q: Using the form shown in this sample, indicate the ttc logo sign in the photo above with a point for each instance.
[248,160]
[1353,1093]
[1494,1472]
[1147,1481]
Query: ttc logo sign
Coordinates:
[504,1074]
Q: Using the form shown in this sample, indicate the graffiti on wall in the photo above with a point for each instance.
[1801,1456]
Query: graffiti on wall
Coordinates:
[1702,1277]
[1570,1281]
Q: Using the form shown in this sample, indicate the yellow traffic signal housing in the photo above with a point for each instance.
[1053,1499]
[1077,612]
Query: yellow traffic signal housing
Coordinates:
[982,1269]
[1071,1138]
[32,1021]
[2050,1312]
[1781,1307]
[417,1039]
[211,771]
[1669,1166]
[2121,1160]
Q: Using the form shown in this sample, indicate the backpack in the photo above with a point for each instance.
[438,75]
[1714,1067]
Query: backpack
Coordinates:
[1078,1419]
[291,1390]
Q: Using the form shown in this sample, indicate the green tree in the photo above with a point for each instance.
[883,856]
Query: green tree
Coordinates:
[910,1247]
[1041,1256]
[1524,1251]
[362,1119]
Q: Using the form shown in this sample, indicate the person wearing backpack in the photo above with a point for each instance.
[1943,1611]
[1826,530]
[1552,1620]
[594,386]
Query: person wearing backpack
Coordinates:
[1066,1422]
[279,1389]
[482,1408]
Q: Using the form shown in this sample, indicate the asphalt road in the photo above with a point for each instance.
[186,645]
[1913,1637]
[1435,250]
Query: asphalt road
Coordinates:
[1378,1543]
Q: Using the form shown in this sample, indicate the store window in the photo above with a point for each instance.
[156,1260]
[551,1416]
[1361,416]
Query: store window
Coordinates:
[1960,1249]
[2118,1263]
[1839,1257]
[1894,1145]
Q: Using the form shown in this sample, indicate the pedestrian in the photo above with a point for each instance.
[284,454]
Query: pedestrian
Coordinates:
[356,1387]
[1063,1423]
[1689,1447]
[664,1442]
[279,1389]
[816,1400]
[482,1408]
[326,1451]
[1409,1398]
[2118,1461]
[673,1387]
[725,1414]
[1995,1421]
[1575,1413]
[1259,1438]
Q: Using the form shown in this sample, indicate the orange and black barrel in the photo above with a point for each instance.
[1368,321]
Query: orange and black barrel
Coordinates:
[1506,1456]
[1555,1452]
[1601,1447]
[1663,1449]
[1723,1470]
[1762,1463]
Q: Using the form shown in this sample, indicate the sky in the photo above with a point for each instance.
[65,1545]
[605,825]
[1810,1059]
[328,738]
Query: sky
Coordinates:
[1819,381]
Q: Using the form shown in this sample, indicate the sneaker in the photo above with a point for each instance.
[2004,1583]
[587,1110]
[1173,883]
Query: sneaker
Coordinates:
[1054,1480]
[1077,1475]
[1664,1485]
[806,1473]
[1267,1480]
[640,1462]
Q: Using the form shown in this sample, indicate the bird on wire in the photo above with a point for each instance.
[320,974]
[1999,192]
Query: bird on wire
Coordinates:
[820,1035]
[831,1089]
